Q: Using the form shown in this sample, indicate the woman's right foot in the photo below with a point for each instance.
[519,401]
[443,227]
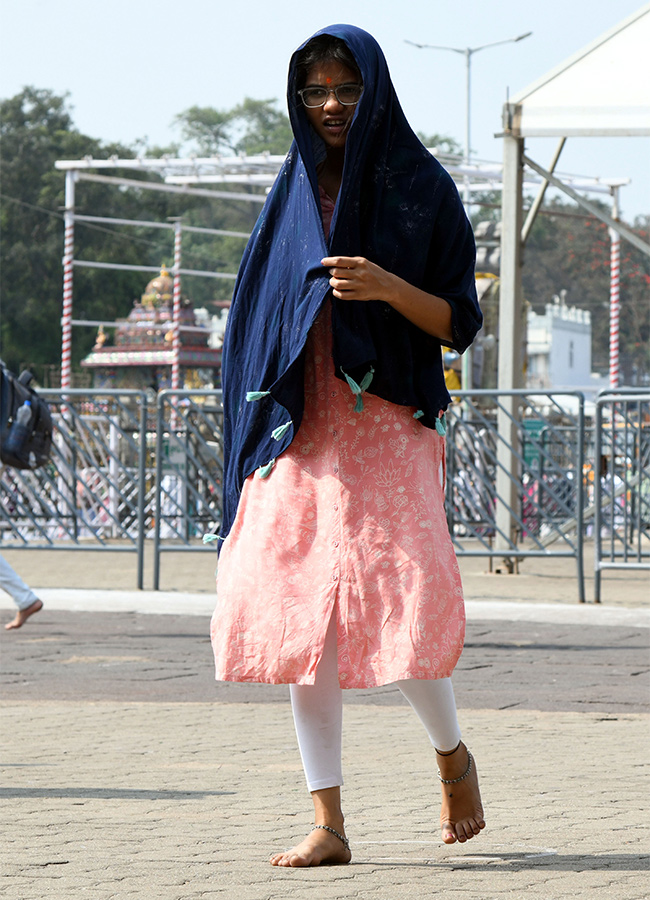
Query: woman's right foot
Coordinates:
[23,614]
[319,848]
[461,815]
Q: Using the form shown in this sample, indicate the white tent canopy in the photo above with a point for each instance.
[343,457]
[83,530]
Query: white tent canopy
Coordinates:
[602,90]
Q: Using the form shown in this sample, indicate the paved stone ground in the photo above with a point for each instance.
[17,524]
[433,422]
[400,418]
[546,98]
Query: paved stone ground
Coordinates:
[88,656]
[177,801]
[127,773]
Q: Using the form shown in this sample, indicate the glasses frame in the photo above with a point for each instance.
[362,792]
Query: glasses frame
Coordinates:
[328,91]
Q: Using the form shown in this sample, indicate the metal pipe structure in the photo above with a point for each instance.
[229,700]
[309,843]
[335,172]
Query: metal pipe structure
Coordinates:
[172,189]
[127,267]
[142,223]
[539,199]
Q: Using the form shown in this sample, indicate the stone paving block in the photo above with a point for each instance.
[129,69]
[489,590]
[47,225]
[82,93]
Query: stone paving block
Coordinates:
[182,801]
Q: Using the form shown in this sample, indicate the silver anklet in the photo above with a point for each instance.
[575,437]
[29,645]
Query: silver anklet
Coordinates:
[343,839]
[462,777]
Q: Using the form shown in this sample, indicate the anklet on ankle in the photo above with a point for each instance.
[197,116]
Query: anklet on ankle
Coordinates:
[343,839]
[461,778]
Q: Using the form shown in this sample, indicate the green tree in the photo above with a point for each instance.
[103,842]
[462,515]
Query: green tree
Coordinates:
[265,128]
[446,146]
[254,126]
[570,251]
[208,130]
[36,130]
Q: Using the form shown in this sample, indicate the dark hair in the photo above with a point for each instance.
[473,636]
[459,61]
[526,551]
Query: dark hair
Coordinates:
[324,48]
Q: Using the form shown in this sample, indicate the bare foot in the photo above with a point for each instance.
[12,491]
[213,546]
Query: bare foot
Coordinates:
[23,614]
[319,848]
[461,815]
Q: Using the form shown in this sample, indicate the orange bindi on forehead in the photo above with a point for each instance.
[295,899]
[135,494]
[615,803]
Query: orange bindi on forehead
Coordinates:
[328,80]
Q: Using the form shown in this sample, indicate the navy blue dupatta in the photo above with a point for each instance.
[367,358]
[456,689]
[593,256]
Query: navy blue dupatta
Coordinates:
[398,208]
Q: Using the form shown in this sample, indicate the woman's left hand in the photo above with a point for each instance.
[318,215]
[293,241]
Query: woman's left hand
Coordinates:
[356,278]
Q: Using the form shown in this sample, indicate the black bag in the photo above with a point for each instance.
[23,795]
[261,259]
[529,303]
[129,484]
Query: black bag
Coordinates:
[23,445]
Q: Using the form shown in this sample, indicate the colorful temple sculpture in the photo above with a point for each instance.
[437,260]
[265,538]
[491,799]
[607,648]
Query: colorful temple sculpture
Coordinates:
[141,355]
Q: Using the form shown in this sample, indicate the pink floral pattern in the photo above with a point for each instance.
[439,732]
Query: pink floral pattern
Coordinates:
[350,523]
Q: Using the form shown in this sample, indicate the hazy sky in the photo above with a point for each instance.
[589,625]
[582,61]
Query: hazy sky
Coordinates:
[131,66]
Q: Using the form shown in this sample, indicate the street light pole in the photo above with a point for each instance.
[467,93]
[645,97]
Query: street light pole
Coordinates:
[468,52]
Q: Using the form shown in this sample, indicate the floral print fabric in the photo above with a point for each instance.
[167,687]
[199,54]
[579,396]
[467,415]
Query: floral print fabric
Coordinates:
[350,523]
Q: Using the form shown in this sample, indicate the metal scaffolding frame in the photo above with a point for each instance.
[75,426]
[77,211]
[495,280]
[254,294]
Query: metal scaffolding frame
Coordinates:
[186,176]
[629,117]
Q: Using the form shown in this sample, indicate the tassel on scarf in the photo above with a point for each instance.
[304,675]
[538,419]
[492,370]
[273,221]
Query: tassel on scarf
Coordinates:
[279,432]
[265,471]
[358,389]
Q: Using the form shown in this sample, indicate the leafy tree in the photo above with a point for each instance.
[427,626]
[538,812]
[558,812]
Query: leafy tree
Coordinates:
[207,129]
[446,146]
[36,130]
[265,129]
[254,126]
[571,252]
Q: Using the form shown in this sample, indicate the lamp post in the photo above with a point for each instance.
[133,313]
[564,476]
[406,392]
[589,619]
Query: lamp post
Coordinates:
[468,52]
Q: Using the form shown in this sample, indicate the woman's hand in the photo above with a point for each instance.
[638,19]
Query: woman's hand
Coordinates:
[356,278]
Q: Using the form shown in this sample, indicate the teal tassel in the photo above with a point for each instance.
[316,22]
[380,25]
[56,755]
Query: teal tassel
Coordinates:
[441,425]
[265,471]
[354,387]
[208,538]
[418,414]
[256,395]
[358,389]
[279,432]
[367,378]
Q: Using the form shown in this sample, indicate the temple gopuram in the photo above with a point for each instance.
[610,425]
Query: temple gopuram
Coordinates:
[141,354]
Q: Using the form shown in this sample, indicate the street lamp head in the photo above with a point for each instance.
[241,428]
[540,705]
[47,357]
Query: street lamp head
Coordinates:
[522,36]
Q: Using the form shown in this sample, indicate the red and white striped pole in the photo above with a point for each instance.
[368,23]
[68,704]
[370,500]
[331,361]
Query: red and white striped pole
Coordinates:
[68,256]
[614,298]
[176,309]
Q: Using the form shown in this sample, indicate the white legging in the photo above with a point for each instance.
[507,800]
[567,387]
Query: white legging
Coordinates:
[318,716]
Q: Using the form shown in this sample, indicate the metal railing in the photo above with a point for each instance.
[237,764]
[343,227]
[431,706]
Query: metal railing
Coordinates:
[125,472]
[92,494]
[540,493]
[621,483]
[189,470]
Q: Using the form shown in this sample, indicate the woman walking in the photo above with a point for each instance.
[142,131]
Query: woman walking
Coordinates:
[337,569]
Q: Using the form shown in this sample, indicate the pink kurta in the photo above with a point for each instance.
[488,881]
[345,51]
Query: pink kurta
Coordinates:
[350,523]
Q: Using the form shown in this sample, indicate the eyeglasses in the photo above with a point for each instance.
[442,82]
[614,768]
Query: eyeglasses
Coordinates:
[346,94]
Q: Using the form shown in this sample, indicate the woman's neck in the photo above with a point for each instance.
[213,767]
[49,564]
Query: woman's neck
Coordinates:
[330,171]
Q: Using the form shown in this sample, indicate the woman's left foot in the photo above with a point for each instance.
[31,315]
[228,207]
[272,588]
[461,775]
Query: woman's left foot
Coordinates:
[461,815]
[319,848]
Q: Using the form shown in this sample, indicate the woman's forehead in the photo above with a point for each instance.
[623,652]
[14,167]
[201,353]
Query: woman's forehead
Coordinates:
[330,72]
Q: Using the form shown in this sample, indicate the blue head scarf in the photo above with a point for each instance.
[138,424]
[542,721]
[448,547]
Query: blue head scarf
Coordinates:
[398,208]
